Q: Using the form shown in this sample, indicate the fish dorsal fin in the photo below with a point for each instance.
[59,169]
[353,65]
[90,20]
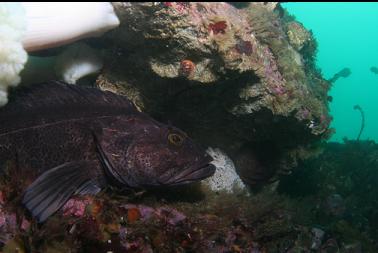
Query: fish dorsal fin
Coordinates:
[60,94]
[57,101]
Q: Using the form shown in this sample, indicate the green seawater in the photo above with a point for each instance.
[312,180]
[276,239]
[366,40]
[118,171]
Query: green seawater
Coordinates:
[347,35]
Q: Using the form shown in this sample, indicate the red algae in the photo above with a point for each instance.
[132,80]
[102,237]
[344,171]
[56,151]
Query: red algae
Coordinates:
[218,27]
[75,207]
[2,198]
[167,4]
[25,224]
[178,6]
[244,47]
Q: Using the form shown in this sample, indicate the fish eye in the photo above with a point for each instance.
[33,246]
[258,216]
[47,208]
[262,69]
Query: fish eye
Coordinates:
[175,139]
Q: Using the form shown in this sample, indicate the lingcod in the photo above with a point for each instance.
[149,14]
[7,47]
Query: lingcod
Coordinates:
[72,140]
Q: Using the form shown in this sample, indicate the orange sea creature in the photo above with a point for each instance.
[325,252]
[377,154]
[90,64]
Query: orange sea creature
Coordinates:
[133,214]
[187,67]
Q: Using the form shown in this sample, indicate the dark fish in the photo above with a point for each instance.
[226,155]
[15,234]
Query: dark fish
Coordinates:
[76,140]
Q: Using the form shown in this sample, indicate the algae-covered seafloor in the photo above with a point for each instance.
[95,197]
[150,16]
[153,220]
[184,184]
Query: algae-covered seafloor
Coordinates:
[241,80]
[322,207]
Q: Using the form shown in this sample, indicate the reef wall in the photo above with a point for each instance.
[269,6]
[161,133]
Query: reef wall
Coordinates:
[237,77]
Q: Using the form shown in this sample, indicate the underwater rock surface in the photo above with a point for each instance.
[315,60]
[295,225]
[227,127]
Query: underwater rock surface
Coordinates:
[325,206]
[234,78]
[339,190]
[240,78]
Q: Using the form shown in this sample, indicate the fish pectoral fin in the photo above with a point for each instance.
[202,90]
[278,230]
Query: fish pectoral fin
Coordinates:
[51,190]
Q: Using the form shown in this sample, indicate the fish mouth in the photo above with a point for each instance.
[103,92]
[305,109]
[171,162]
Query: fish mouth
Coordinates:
[195,172]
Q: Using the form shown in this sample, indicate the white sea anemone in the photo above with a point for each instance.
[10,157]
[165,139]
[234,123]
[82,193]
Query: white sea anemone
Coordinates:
[77,61]
[52,24]
[32,26]
[12,55]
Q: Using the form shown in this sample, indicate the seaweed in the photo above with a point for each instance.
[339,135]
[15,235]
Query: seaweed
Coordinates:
[357,107]
[338,194]
[374,70]
[345,72]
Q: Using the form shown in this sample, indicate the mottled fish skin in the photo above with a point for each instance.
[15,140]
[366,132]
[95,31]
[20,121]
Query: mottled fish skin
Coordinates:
[76,140]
